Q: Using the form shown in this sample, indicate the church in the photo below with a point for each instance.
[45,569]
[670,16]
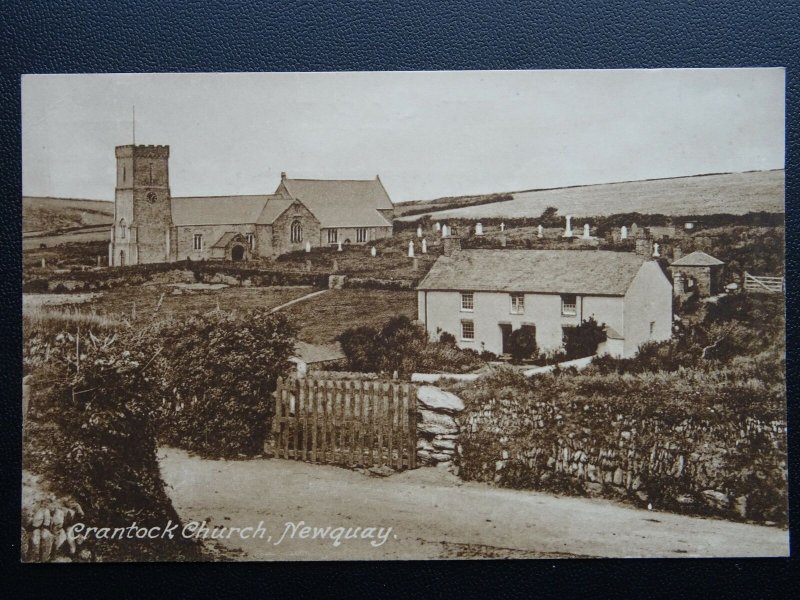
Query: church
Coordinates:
[152,226]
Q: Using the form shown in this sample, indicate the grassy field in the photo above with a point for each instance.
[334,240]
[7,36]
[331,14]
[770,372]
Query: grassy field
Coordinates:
[733,193]
[47,214]
[323,317]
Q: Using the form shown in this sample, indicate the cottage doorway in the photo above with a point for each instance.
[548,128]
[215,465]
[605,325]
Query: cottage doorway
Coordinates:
[237,253]
[505,330]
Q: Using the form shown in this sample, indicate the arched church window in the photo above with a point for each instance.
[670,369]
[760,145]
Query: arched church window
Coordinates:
[122,229]
[297,232]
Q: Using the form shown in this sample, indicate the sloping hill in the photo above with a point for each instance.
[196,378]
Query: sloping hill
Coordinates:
[53,214]
[733,193]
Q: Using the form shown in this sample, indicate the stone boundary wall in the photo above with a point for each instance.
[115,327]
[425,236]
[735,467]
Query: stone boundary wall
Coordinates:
[437,427]
[732,469]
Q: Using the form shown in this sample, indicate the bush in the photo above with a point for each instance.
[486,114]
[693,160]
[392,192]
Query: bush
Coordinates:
[403,346]
[361,348]
[584,339]
[91,435]
[522,344]
[220,372]
[447,338]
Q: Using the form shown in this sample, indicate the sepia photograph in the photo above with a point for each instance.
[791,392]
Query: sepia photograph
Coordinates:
[404,315]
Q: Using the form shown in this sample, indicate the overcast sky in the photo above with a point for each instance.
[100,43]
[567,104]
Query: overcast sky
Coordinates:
[427,134]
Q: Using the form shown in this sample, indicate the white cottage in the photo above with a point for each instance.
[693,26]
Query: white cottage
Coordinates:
[481,296]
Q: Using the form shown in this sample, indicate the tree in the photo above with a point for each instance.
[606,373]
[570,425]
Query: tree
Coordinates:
[549,217]
[584,339]
[522,343]
[402,343]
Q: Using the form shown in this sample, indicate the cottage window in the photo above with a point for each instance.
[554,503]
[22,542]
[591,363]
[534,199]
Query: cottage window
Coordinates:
[333,236]
[296,235]
[517,304]
[467,330]
[198,241]
[569,305]
[251,241]
[122,229]
[361,234]
[467,301]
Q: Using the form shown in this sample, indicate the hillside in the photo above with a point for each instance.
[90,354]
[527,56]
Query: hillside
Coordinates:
[734,193]
[51,214]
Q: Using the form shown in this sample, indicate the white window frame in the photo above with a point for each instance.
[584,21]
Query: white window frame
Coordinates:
[467,301]
[517,304]
[251,240]
[362,235]
[197,241]
[569,309]
[333,235]
[471,324]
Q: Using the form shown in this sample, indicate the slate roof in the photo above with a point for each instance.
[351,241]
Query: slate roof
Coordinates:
[342,203]
[227,210]
[588,272]
[697,259]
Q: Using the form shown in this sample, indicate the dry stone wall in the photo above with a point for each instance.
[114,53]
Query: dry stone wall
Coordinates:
[734,468]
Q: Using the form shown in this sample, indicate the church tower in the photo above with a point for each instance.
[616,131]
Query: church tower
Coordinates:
[142,207]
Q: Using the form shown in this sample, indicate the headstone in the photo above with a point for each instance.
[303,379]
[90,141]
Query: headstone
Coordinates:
[478,228]
[424,246]
[308,246]
[335,266]
[655,250]
[444,230]
[634,230]
[44,263]
[568,228]
[373,251]
[99,260]
[308,265]
[339,247]
[438,226]
[623,233]
[586,231]
[502,226]
[411,249]
[503,240]
[419,231]
[540,231]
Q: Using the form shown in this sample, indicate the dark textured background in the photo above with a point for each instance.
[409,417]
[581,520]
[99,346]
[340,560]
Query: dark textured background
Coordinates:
[58,36]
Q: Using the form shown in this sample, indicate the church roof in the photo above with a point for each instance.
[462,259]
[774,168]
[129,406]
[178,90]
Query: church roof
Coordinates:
[342,203]
[227,210]
[697,259]
[594,272]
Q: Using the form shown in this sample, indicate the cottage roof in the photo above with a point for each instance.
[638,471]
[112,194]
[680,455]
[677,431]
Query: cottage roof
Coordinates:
[697,259]
[342,203]
[599,272]
[227,210]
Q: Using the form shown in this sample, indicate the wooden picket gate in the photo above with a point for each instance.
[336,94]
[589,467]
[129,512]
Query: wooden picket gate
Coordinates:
[352,423]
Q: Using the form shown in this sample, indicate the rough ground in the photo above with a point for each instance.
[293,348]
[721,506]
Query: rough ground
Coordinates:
[433,515]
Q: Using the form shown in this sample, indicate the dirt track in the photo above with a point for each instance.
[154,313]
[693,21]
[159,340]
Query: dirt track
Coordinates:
[432,515]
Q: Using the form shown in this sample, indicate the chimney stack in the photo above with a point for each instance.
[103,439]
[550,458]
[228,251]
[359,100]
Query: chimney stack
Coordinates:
[451,244]
[283,175]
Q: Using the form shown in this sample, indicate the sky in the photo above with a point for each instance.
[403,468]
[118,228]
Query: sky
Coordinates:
[428,134]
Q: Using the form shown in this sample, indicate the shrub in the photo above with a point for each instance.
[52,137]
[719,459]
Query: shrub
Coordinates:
[220,371]
[584,339]
[360,348]
[447,338]
[522,344]
[90,432]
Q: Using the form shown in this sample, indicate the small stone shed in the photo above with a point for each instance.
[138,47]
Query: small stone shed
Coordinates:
[697,269]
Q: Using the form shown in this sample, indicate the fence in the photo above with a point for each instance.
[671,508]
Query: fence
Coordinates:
[351,423]
[753,283]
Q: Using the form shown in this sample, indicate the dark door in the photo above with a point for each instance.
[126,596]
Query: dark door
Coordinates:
[237,252]
[505,328]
